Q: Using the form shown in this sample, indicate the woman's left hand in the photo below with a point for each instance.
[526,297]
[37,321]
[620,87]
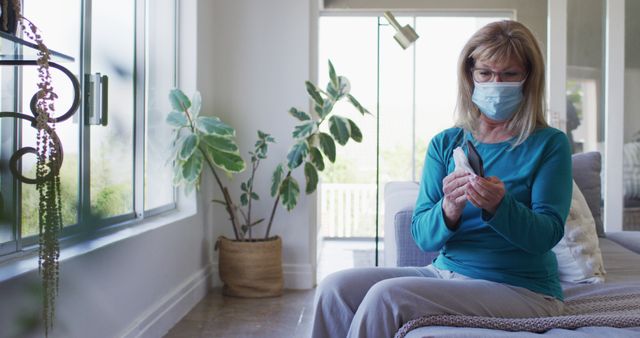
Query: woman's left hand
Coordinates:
[485,193]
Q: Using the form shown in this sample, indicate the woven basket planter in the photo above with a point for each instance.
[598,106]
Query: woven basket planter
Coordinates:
[251,269]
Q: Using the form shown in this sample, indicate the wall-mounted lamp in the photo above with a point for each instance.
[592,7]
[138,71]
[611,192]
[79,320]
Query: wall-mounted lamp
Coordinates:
[405,35]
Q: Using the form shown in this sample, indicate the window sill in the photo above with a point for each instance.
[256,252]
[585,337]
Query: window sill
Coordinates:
[27,261]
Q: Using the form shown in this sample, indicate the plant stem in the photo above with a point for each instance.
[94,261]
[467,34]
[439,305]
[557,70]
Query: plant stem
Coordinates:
[237,230]
[227,198]
[275,206]
[253,173]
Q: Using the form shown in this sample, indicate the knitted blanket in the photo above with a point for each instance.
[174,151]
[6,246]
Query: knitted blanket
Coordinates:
[608,311]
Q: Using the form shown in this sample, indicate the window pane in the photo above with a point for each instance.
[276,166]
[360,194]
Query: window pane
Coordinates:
[112,54]
[631,149]
[61,36]
[348,187]
[585,57]
[396,106]
[585,91]
[7,147]
[160,79]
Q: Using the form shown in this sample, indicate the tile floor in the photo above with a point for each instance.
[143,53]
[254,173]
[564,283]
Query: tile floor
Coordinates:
[221,317]
[287,316]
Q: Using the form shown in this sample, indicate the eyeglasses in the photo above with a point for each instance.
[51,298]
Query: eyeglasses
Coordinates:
[486,75]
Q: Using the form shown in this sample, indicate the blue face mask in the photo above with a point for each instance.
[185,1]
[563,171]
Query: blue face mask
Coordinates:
[497,100]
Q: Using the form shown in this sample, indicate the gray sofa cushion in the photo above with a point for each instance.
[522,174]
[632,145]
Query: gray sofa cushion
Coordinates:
[586,173]
[408,252]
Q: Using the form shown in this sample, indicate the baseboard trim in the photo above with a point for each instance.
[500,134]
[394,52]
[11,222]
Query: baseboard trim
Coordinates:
[164,314]
[296,276]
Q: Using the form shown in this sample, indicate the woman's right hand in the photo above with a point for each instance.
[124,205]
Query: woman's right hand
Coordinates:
[454,187]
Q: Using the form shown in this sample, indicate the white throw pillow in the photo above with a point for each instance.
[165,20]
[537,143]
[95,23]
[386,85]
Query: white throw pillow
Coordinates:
[578,252]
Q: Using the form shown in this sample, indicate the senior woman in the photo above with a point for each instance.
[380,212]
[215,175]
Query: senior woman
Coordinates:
[494,233]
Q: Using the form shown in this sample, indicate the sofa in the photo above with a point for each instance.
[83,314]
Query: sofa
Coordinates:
[617,314]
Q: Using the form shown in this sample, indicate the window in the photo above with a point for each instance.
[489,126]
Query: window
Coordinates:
[113,171]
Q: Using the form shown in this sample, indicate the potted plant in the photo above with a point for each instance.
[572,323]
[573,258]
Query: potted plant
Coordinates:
[251,266]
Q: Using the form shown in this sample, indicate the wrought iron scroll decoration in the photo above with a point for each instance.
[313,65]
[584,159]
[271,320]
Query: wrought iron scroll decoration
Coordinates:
[15,158]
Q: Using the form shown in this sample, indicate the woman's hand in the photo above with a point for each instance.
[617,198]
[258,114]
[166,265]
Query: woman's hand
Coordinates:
[485,193]
[454,187]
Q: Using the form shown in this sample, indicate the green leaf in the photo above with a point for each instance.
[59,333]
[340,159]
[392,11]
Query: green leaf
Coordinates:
[177,119]
[220,143]
[305,129]
[289,192]
[263,136]
[196,104]
[179,101]
[177,173]
[316,158]
[344,86]
[213,126]
[276,178]
[326,108]
[356,134]
[261,153]
[332,75]
[297,154]
[333,91]
[255,196]
[261,146]
[314,93]
[328,146]
[311,175]
[192,167]
[189,146]
[357,105]
[243,186]
[340,129]
[340,90]
[244,199]
[299,114]
[176,147]
[189,187]
[229,162]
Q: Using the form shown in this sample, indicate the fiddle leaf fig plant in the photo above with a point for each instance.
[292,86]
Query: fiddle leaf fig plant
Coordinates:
[201,141]
[311,142]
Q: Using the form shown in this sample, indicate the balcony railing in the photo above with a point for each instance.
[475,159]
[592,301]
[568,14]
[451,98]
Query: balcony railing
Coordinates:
[348,210]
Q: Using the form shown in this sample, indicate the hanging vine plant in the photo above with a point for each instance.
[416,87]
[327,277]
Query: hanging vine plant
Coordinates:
[49,160]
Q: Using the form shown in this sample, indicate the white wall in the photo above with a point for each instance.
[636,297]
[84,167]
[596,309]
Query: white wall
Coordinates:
[136,282]
[252,64]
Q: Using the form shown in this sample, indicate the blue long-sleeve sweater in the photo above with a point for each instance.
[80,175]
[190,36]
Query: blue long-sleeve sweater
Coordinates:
[512,246]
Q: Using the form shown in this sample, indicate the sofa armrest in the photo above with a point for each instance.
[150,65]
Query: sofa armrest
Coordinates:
[398,196]
[628,239]
[408,253]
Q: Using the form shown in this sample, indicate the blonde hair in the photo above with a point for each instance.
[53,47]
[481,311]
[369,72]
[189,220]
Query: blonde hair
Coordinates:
[501,42]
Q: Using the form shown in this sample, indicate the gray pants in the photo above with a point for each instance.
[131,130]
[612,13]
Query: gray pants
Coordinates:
[376,302]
